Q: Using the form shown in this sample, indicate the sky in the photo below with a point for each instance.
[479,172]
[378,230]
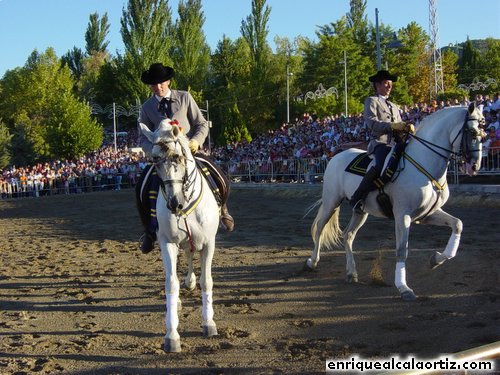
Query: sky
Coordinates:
[26,25]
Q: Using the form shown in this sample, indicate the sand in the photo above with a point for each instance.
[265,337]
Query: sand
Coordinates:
[78,297]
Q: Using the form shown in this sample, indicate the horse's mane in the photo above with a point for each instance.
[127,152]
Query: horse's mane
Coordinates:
[439,116]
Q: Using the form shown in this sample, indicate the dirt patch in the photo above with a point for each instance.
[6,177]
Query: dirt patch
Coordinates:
[77,297]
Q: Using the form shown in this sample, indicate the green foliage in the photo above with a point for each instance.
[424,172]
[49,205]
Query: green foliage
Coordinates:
[244,81]
[95,36]
[190,53]
[230,70]
[47,121]
[5,142]
[147,33]
[234,128]
[74,60]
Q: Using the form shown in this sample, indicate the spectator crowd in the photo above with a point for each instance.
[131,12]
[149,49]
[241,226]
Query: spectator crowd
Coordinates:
[308,137]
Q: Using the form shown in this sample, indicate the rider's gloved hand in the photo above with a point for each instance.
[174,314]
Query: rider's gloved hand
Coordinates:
[194,145]
[403,127]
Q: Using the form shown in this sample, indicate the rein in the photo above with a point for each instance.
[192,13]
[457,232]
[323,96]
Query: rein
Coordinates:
[188,183]
[463,151]
[462,154]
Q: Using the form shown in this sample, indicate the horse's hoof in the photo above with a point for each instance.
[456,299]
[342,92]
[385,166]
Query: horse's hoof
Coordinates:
[351,279]
[171,345]
[308,265]
[436,260]
[408,296]
[210,330]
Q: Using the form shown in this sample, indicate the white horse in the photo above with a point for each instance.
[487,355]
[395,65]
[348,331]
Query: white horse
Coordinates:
[417,192]
[188,219]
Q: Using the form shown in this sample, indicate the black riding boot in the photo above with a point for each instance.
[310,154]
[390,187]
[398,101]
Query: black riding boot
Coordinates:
[143,208]
[358,198]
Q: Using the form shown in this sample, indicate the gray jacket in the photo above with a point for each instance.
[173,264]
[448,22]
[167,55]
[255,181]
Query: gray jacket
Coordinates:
[379,114]
[184,110]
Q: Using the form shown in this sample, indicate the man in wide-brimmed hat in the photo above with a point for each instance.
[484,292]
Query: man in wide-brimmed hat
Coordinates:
[180,106]
[382,118]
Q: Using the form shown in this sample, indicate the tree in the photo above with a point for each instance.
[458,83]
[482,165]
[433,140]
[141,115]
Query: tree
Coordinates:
[469,63]
[95,36]
[74,60]
[234,128]
[489,62]
[450,67]
[324,63]
[230,68]
[147,33]
[286,60]
[191,53]
[5,142]
[357,21]
[260,87]
[47,121]
[411,62]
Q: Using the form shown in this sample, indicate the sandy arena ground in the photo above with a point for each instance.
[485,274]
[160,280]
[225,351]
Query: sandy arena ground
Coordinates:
[77,297]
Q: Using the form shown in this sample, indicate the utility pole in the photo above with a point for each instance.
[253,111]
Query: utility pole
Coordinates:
[345,82]
[377,39]
[288,74]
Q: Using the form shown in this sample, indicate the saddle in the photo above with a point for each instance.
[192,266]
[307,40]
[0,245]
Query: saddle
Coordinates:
[215,178]
[359,165]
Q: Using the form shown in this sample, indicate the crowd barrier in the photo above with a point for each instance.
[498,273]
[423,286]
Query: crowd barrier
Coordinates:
[311,170]
[303,170]
[15,188]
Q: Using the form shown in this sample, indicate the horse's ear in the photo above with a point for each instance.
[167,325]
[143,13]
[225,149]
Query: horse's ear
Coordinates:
[146,131]
[175,131]
[472,107]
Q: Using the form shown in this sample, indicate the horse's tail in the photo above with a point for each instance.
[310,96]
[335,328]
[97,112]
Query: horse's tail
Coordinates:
[330,234]
[312,207]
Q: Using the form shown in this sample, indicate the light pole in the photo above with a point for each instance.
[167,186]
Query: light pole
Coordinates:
[377,39]
[288,74]
[394,43]
[345,82]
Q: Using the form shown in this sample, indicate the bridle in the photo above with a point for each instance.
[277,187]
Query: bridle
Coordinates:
[188,179]
[465,150]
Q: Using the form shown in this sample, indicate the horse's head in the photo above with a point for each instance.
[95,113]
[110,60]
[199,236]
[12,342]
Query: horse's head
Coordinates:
[471,146]
[169,156]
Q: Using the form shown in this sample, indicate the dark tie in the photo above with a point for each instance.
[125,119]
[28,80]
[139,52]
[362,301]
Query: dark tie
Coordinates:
[164,107]
[390,109]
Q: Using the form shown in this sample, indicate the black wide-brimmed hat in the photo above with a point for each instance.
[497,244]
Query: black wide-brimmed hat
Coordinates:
[383,75]
[157,73]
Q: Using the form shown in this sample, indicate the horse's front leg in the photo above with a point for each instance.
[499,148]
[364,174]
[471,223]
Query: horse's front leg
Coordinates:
[402,234]
[172,340]
[206,283]
[442,218]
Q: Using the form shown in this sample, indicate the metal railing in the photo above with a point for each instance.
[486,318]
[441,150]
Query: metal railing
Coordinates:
[296,170]
[311,170]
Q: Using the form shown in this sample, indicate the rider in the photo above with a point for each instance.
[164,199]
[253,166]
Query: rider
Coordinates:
[382,118]
[176,105]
